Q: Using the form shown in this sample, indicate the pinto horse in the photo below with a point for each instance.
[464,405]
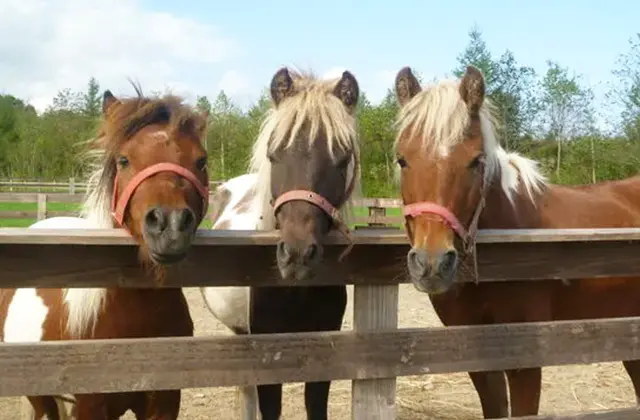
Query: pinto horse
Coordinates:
[455,178]
[150,179]
[303,177]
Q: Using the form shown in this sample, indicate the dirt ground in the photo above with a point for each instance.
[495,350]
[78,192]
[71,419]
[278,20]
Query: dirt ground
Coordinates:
[565,389]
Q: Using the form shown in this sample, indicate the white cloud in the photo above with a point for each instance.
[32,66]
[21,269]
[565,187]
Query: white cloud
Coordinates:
[333,72]
[48,45]
[234,83]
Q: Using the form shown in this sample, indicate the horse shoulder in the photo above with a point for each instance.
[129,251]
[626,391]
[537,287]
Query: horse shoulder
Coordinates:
[25,313]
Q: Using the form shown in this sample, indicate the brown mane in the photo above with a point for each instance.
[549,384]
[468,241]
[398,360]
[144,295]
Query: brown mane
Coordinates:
[133,114]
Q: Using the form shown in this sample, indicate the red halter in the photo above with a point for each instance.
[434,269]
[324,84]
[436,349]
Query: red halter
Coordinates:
[118,207]
[444,213]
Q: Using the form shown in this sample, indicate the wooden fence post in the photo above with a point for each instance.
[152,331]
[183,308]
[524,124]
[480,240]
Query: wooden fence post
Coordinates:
[374,307]
[248,402]
[72,185]
[42,206]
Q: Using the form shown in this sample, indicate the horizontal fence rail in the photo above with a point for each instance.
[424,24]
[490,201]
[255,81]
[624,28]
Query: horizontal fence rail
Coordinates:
[107,257]
[151,364]
[372,355]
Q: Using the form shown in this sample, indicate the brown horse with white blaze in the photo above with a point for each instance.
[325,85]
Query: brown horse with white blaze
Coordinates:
[456,178]
[150,179]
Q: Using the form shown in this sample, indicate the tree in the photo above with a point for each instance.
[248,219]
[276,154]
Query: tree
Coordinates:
[566,106]
[627,93]
[509,86]
[92,99]
[477,54]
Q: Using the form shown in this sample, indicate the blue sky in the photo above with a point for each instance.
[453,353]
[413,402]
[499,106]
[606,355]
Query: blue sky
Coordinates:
[199,47]
[375,39]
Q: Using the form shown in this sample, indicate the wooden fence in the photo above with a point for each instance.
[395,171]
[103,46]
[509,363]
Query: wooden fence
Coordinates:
[372,355]
[377,208]
[71,187]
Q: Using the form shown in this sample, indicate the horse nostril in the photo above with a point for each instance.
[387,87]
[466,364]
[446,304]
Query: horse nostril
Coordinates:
[448,262]
[417,262]
[155,220]
[182,220]
[311,253]
[283,253]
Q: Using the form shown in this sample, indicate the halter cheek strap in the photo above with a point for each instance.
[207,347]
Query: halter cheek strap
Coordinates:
[309,197]
[119,206]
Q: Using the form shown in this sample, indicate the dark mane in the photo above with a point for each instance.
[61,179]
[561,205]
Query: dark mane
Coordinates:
[135,113]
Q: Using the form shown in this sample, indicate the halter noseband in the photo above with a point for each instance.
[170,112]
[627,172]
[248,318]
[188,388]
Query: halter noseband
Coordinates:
[467,236]
[324,204]
[119,206]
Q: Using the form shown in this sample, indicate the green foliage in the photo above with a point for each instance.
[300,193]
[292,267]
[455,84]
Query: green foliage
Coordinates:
[509,86]
[548,118]
[627,93]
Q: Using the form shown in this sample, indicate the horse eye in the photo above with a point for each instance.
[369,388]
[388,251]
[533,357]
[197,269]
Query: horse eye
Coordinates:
[477,161]
[402,162]
[201,164]
[123,162]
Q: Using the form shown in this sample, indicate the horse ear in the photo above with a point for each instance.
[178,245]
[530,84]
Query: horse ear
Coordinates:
[108,100]
[347,90]
[407,86]
[472,89]
[281,86]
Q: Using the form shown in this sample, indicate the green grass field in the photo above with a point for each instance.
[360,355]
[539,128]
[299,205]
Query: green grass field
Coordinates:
[360,211]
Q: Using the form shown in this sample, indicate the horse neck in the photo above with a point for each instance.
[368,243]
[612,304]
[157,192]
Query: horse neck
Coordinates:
[501,213]
[126,312]
[130,312]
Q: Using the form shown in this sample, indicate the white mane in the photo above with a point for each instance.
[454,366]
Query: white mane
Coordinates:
[85,304]
[441,117]
[315,104]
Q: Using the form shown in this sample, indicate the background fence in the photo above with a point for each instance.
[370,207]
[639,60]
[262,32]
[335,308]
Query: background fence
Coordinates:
[373,212]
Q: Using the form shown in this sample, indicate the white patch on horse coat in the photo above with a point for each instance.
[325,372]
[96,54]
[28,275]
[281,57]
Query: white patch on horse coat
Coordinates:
[230,305]
[25,317]
[161,134]
[83,304]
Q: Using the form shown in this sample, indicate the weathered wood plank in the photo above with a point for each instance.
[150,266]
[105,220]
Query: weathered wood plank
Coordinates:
[33,197]
[386,220]
[387,203]
[42,206]
[219,258]
[19,214]
[362,236]
[374,308]
[623,414]
[169,363]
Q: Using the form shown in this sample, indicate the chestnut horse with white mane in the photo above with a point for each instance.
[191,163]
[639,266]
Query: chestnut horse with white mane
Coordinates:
[150,179]
[303,178]
[455,177]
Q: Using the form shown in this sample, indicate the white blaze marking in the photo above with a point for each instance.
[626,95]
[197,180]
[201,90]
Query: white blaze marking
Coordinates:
[25,317]
[160,135]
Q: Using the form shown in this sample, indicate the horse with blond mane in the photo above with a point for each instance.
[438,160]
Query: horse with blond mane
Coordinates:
[302,180]
[150,179]
[456,178]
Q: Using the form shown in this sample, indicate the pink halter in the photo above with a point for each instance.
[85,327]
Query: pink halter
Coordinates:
[309,197]
[444,213]
[118,207]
